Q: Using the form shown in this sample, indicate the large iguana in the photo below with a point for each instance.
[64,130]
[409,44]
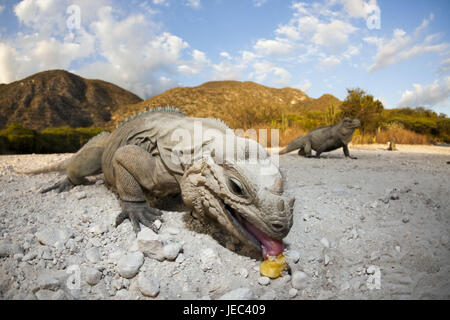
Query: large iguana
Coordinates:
[325,139]
[151,156]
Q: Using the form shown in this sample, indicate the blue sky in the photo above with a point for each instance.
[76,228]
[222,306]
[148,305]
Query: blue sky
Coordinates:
[399,51]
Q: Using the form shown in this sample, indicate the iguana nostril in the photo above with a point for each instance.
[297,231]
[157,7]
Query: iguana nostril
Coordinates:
[280,205]
[277,226]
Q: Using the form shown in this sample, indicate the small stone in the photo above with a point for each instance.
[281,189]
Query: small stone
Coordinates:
[394,195]
[325,242]
[128,266]
[151,248]
[292,292]
[405,219]
[345,286]
[45,253]
[80,195]
[305,217]
[268,295]
[173,231]
[208,257]
[299,280]
[444,239]
[149,286]
[264,281]
[239,294]
[397,248]
[171,250]
[157,224]
[180,258]
[92,276]
[243,272]
[371,269]
[293,255]
[326,260]
[373,205]
[9,249]
[51,236]
[98,229]
[93,255]
[18,256]
[47,281]
[29,256]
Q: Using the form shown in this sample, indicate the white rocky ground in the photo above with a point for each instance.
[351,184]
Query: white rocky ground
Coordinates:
[372,228]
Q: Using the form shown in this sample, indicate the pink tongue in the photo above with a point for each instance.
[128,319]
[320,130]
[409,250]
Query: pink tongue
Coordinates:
[270,246]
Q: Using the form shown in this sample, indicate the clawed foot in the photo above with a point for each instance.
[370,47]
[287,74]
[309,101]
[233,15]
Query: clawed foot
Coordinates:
[352,157]
[139,212]
[61,186]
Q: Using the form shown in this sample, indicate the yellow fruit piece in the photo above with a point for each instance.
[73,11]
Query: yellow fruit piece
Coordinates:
[272,268]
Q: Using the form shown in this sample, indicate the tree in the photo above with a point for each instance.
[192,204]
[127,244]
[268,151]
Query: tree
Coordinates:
[359,104]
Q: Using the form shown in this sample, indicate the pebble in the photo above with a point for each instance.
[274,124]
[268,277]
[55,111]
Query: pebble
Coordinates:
[264,281]
[292,292]
[405,219]
[51,236]
[80,195]
[9,249]
[268,295]
[397,248]
[326,260]
[293,255]
[29,256]
[92,276]
[325,242]
[148,285]
[128,266]
[98,229]
[50,295]
[171,250]
[208,257]
[444,239]
[157,224]
[173,231]
[243,272]
[93,255]
[239,294]
[299,280]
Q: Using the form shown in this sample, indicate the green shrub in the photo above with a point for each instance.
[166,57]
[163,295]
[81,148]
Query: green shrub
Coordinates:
[18,139]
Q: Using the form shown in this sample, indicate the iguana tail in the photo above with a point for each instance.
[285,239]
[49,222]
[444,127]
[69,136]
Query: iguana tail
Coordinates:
[294,145]
[98,140]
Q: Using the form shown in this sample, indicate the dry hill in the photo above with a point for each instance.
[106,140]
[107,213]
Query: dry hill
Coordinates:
[239,104]
[57,98]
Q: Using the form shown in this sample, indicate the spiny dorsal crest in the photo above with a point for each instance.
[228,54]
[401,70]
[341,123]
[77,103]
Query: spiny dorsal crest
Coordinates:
[169,109]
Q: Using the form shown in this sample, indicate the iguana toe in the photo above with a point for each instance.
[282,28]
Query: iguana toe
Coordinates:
[139,212]
[61,186]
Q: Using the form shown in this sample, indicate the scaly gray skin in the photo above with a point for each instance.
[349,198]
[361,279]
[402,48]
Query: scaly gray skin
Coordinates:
[325,139]
[142,161]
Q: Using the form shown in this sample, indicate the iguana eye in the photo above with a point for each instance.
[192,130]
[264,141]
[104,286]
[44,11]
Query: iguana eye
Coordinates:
[235,186]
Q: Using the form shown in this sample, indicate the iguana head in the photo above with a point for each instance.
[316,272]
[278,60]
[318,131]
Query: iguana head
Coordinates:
[242,195]
[349,124]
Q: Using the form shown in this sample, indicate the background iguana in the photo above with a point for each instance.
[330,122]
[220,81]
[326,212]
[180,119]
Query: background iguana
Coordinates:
[151,156]
[325,139]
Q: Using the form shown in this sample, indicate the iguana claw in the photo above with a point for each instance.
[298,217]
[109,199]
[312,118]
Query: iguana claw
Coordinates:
[63,185]
[138,212]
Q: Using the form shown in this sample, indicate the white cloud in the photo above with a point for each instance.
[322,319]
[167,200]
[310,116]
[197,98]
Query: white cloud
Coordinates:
[403,46]
[225,55]
[161,2]
[305,86]
[127,49]
[359,8]
[428,95]
[1,8]
[329,62]
[198,63]
[444,67]
[275,47]
[193,3]
[263,69]
[259,3]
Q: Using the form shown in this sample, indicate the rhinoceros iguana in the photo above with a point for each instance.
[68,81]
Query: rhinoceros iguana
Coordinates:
[325,139]
[151,156]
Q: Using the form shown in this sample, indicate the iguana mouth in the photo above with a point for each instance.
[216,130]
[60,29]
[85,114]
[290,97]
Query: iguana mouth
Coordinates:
[268,245]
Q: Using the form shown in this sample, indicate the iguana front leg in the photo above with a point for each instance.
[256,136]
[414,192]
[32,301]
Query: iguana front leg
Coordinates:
[134,170]
[347,153]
